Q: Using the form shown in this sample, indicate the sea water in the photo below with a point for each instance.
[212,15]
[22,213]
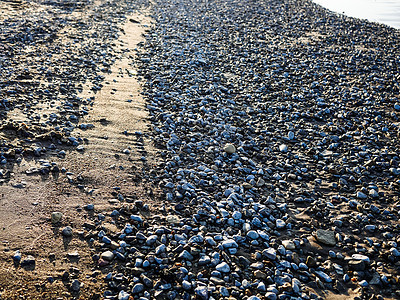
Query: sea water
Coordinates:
[382,11]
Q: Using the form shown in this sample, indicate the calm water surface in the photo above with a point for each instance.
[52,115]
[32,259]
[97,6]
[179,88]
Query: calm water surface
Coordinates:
[382,11]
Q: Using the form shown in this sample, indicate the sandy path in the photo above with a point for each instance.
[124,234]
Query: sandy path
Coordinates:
[25,212]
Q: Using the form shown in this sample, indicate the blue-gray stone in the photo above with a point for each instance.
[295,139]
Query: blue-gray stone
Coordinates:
[223,267]
[270,253]
[185,255]
[229,244]
[323,276]
[280,224]
[202,292]
[123,295]
[252,234]
[137,288]
[136,218]
[151,240]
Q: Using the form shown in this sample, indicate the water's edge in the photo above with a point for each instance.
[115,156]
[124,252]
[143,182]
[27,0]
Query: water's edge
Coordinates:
[381,11]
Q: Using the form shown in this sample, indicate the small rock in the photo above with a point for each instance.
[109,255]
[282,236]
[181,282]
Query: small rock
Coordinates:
[223,267]
[323,276]
[280,224]
[202,292]
[67,231]
[107,255]
[185,255]
[356,265]
[289,245]
[326,237]
[17,256]
[137,288]
[229,148]
[28,261]
[56,217]
[311,262]
[229,244]
[173,219]
[76,285]
[252,234]
[361,195]
[283,148]
[259,274]
[237,215]
[270,253]
[123,295]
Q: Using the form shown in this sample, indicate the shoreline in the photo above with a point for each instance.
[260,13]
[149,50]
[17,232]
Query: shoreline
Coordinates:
[383,13]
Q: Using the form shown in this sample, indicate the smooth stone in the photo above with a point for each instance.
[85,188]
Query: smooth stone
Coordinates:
[160,249]
[223,267]
[56,217]
[373,193]
[224,292]
[229,244]
[173,219]
[236,215]
[290,135]
[289,245]
[323,276]
[229,148]
[252,234]
[67,231]
[361,195]
[210,241]
[326,237]
[356,265]
[136,218]
[123,295]
[270,296]
[259,274]
[17,256]
[280,224]
[269,253]
[107,255]
[28,261]
[76,285]
[186,285]
[151,240]
[363,283]
[361,257]
[137,288]
[185,255]
[202,292]
[283,148]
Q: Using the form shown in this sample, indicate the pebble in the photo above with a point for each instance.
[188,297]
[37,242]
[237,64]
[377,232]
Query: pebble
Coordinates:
[56,217]
[270,253]
[229,148]
[17,256]
[326,237]
[123,295]
[67,231]
[324,276]
[28,261]
[76,285]
[107,255]
[137,288]
[252,234]
[223,267]
[289,245]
